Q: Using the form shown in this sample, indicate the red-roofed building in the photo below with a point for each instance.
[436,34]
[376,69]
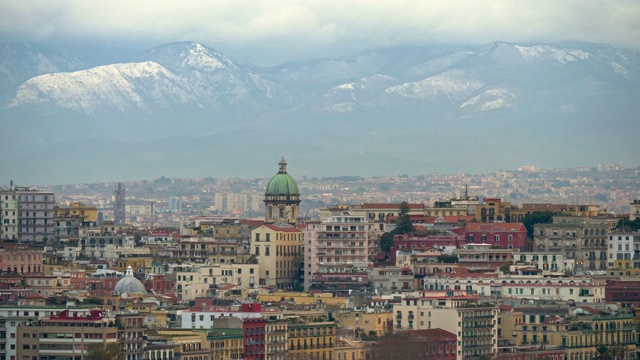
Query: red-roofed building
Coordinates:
[625,292]
[412,242]
[437,344]
[505,235]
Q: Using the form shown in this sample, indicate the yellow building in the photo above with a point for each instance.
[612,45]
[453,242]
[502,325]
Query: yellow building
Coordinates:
[188,344]
[311,340]
[445,211]
[303,298]
[583,336]
[139,264]
[495,210]
[380,322]
[155,319]
[226,344]
[349,350]
[623,268]
[77,209]
[278,249]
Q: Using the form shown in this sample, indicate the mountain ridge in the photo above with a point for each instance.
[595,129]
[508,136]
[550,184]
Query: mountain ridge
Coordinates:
[535,98]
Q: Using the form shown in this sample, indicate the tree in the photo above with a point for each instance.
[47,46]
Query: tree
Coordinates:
[536,217]
[386,241]
[628,225]
[602,352]
[100,352]
[252,259]
[404,225]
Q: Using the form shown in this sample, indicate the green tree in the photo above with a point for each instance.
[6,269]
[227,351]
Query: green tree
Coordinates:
[602,352]
[386,241]
[100,352]
[404,225]
[628,225]
[536,217]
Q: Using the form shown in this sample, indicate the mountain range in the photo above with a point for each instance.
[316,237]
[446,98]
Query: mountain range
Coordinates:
[92,113]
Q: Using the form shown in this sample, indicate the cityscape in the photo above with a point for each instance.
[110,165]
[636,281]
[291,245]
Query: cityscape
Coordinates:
[319,180]
[522,264]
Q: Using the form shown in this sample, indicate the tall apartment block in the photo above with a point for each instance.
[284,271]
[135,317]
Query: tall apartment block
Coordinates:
[341,244]
[119,213]
[26,215]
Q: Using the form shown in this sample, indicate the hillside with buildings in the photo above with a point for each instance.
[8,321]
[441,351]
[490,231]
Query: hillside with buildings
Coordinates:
[294,268]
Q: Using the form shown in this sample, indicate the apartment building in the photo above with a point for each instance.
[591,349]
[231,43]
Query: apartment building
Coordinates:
[278,248]
[623,250]
[311,340]
[580,238]
[66,335]
[339,244]
[473,323]
[27,214]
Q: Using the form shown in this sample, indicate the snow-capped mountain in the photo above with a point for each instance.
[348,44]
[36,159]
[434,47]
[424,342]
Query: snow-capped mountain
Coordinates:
[213,77]
[119,87]
[495,76]
[566,97]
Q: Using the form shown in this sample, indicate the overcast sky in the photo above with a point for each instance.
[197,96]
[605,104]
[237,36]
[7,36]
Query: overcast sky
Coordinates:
[273,31]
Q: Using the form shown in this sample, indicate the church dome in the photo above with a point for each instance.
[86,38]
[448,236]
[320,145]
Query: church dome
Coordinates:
[282,183]
[129,284]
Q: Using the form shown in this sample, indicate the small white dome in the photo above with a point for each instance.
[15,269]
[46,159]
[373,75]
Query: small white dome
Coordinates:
[129,284]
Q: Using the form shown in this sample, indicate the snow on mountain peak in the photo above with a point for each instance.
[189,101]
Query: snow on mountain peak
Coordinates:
[453,85]
[545,51]
[118,86]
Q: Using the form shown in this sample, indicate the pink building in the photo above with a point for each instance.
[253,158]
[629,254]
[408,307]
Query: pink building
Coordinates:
[20,258]
[505,235]
[340,244]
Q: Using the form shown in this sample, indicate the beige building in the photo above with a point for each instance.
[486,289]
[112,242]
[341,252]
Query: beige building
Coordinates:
[276,333]
[474,323]
[580,238]
[278,249]
[195,281]
[66,335]
[378,321]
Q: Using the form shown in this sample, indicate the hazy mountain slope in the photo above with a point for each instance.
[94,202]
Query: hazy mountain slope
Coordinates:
[214,78]
[380,111]
[119,87]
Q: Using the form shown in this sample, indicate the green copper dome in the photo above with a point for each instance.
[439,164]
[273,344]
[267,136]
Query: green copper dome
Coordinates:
[282,183]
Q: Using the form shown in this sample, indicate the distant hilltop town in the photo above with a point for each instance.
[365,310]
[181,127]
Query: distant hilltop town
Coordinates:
[526,264]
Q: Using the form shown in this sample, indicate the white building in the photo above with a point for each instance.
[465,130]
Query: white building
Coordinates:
[26,214]
[193,281]
[623,246]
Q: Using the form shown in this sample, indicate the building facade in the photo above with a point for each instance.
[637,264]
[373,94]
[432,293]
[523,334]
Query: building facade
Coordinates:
[339,244]
[27,214]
